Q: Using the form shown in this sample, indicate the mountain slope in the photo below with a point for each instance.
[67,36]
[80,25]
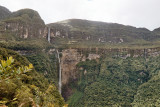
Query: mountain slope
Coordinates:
[24,31]
[28,89]
[4,12]
[84,30]
[93,77]
[24,23]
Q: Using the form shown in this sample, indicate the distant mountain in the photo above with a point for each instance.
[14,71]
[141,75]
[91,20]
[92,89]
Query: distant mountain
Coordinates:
[102,64]
[24,23]
[4,12]
[100,31]
[23,31]
[157,31]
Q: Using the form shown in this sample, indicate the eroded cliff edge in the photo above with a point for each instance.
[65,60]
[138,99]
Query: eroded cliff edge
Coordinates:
[73,56]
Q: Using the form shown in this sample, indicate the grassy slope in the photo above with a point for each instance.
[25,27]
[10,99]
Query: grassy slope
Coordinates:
[139,44]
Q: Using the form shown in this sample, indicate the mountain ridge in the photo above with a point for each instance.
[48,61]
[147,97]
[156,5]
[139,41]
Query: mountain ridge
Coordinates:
[4,12]
[76,19]
[100,32]
[103,64]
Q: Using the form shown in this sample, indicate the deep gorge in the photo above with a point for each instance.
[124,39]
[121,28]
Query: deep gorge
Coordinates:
[88,63]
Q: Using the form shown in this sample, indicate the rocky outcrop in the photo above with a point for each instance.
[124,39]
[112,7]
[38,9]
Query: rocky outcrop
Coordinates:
[25,23]
[71,57]
[84,30]
[25,30]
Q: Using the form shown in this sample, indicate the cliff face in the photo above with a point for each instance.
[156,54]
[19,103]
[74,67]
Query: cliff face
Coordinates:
[81,65]
[71,57]
[101,32]
[22,31]
[25,23]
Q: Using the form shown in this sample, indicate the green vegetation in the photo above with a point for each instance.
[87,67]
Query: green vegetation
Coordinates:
[7,70]
[101,32]
[22,24]
[148,94]
[75,99]
[46,64]
[28,45]
[109,81]
[19,87]
[34,47]
[138,44]
[115,81]
[4,12]
[77,33]
[24,16]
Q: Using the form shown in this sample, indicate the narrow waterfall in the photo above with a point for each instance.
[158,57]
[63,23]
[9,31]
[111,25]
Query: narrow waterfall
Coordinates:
[49,35]
[60,73]
[59,61]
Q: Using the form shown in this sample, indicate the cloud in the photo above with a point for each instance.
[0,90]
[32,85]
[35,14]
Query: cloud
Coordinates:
[139,13]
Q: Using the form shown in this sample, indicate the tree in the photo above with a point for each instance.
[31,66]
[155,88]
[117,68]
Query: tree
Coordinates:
[9,71]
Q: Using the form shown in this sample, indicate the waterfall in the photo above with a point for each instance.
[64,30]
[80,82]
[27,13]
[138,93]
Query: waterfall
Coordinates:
[59,61]
[49,35]
[60,73]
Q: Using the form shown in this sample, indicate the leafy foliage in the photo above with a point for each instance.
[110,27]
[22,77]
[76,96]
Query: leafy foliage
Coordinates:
[118,82]
[148,94]
[25,88]
[7,70]
[46,64]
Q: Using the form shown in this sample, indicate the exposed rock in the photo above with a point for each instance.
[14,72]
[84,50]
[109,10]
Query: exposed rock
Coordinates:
[25,23]
[24,52]
[51,51]
[93,56]
[100,31]
[70,58]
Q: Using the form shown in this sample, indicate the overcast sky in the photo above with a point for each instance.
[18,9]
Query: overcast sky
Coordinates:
[139,13]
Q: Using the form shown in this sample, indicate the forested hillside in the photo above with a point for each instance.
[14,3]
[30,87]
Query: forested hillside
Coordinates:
[100,64]
[22,32]
[27,89]
[117,82]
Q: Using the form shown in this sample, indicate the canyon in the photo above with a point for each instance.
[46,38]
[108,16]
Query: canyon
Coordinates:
[82,56]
